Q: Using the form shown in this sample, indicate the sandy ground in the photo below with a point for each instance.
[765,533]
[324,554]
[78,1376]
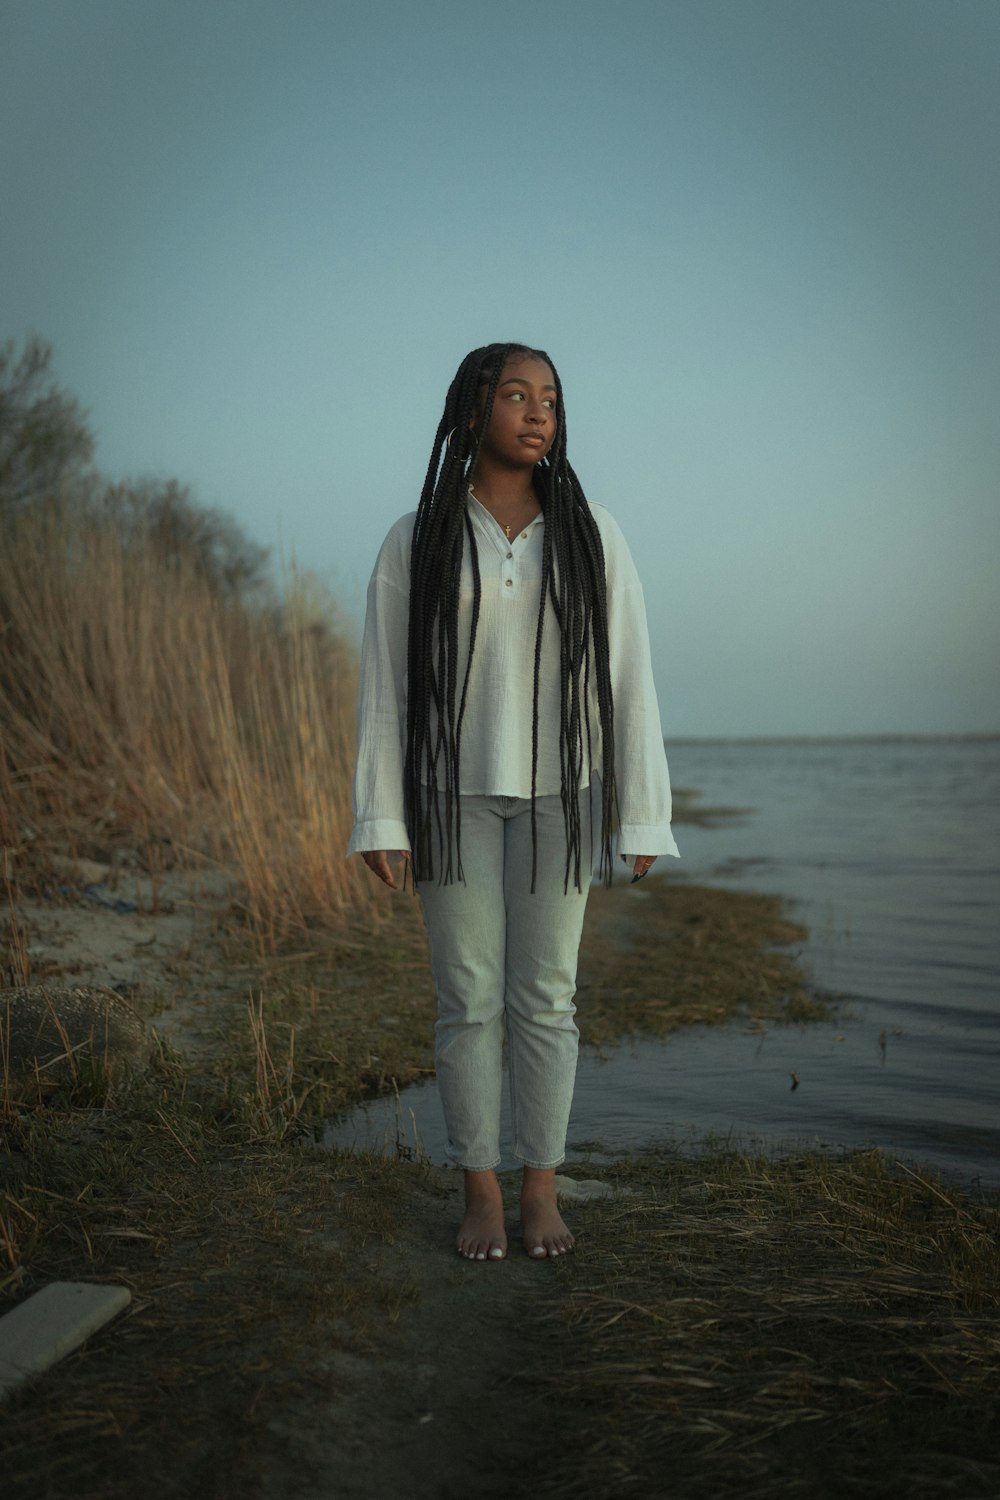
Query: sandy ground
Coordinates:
[155,942]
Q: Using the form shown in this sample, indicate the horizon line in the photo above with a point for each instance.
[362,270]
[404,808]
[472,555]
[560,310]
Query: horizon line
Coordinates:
[888,738]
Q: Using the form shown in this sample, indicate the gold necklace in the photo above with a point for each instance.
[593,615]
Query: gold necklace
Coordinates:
[506,529]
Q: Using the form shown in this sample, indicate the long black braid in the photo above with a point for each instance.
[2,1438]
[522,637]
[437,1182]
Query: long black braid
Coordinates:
[573,581]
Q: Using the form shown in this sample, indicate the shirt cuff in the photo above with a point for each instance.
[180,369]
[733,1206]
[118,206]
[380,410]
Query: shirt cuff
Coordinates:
[646,838]
[379,833]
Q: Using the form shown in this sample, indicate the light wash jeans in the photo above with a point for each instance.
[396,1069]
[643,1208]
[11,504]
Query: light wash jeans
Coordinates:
[505,960]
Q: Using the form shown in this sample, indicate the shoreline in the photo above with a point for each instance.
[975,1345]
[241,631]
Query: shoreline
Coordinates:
[971,736]
[299,1316]
[411,1124]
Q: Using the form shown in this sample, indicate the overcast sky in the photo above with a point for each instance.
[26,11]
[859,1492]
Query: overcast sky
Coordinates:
[760,238]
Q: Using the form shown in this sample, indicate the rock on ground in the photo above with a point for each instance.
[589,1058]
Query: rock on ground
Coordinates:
[48,1032]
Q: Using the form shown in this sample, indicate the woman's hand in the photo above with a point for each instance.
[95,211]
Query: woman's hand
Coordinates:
[377,861]
[642,866]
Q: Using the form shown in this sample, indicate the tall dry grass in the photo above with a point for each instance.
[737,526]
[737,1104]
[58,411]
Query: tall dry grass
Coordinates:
[140,706]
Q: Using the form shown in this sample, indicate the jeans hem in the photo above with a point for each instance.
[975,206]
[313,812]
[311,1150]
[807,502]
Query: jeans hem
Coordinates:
[463,1167]
[539,1166]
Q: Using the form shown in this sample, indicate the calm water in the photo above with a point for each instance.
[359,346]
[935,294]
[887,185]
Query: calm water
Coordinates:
[889,851]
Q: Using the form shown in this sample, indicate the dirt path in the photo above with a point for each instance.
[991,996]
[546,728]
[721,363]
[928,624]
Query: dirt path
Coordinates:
[442,1411]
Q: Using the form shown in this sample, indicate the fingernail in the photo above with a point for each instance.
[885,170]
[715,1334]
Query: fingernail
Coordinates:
[639,877]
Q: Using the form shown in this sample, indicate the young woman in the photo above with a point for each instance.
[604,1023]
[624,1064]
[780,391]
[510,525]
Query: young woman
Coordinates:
[508,737]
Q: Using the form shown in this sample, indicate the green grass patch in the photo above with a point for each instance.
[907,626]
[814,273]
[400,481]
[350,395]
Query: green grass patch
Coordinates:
[664,955]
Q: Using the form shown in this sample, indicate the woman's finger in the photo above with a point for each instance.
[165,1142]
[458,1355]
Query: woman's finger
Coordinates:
[377,861]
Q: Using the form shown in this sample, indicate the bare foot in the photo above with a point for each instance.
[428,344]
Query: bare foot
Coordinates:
[542,1226]
[482,1235]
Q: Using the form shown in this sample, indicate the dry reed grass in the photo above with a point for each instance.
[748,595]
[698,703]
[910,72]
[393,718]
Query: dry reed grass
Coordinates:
[141,707]
[351,1018]
[755,1328]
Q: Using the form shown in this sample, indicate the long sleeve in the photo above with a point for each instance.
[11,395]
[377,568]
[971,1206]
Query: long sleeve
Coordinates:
[643,781]
[379,821]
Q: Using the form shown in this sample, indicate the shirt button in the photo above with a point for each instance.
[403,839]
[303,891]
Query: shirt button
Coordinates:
[524,536]
[509,582]
[509,556]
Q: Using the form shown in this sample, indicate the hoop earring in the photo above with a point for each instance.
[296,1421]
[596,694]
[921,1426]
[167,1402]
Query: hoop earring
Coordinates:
[450,436]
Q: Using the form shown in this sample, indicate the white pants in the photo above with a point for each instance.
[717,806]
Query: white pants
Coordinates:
[504,961]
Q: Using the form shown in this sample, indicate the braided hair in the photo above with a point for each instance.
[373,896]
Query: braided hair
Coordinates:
[573,581]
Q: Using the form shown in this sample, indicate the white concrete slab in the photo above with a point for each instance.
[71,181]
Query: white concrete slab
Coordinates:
[51,1324]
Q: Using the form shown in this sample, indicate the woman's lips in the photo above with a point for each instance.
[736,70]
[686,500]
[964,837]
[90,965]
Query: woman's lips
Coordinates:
[535,438]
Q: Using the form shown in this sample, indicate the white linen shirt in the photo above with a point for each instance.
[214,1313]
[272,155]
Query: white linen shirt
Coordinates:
[496,729]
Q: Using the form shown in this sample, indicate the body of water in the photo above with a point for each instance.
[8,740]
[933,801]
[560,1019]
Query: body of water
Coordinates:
[889,852]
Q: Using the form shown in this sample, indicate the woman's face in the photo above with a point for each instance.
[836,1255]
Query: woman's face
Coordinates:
[523,422]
